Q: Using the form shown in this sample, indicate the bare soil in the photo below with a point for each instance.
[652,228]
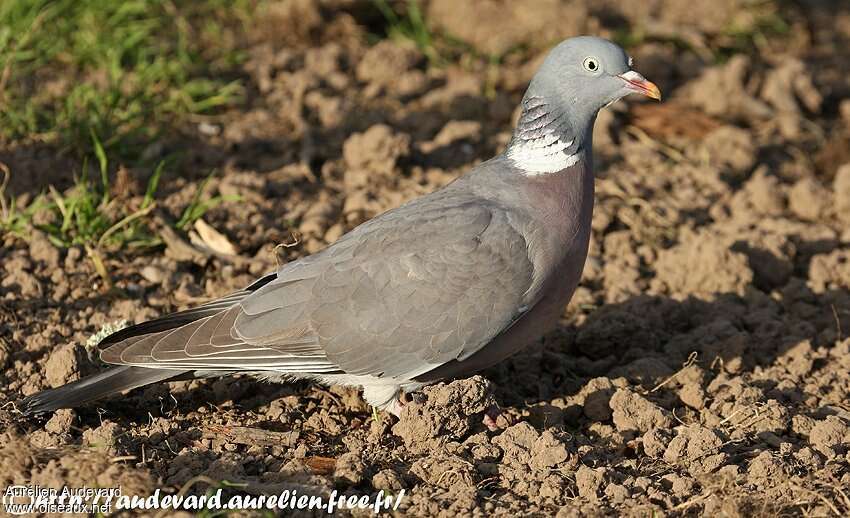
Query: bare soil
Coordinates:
[702,368]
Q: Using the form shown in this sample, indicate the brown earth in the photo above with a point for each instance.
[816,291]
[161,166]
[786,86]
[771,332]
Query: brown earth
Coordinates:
[703,367]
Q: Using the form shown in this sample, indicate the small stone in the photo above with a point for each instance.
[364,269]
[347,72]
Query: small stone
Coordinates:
[698,449]
[634,413]
[448,412]
[388,480]
[61,421]
[806,199]
[655,442]
[765,192]
[481,449]
[802,424]
[732,149]
[72,258]
[106,436]
[373,154]
[765,466]
[597,398]
[589,481]
[548,452]
[334,233]
[617,493]
[63,365]
[152,274]
[692,395]
[384,62]
[841,190]
[349,469]
[831,436]
[42,250]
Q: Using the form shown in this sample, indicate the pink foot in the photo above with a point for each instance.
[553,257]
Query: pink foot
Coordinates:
[495,420]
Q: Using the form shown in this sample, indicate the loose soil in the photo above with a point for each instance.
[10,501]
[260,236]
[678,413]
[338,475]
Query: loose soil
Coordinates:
[702,368]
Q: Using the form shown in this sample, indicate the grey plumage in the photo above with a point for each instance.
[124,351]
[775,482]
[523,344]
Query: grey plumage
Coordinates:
[442,286]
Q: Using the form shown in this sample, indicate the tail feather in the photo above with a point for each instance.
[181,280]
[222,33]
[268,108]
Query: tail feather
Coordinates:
[125,377]
[111,381]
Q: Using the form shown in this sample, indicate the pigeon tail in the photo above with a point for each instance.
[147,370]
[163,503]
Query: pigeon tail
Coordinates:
[111,381]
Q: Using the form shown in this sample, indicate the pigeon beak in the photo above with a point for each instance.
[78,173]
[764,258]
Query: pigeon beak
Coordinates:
[637,83]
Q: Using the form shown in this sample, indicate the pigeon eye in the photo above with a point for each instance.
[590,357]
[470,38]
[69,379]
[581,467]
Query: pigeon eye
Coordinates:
[591,64]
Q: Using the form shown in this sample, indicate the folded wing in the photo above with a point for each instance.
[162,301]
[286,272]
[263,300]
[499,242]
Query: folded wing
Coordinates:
[431,281]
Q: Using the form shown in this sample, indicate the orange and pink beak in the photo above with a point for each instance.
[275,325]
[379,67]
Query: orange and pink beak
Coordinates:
[639,84]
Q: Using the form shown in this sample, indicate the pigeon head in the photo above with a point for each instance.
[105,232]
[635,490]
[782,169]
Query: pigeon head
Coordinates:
[585,74]
[579,77]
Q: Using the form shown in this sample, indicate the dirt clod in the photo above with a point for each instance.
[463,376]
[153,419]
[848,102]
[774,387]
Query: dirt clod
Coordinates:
[701,368]
[589,481]
[63,365]
[632,412]
[449,411]
[703,264]
[831,436]
[388,480]
[350,469]
[61,421]
[697,449]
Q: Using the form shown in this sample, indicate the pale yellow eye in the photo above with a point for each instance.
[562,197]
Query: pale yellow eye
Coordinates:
[591,65]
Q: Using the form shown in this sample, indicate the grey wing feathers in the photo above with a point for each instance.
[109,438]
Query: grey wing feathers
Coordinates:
[180,318]
[405,292]
[209,344]
[429,282]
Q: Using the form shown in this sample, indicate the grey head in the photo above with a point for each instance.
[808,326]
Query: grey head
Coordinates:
[579,77]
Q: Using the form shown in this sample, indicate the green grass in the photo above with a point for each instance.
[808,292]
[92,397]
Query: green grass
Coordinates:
[407,21]
[87,215]
[200,206]
[410,25]
[126,70]
[104,78]
[749,38]
[12,218]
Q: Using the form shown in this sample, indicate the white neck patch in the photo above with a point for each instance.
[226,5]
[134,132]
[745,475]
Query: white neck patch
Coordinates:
[543,155]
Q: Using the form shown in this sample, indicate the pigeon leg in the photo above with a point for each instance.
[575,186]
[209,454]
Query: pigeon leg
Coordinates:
[494,419]
[394,407]
[383,397]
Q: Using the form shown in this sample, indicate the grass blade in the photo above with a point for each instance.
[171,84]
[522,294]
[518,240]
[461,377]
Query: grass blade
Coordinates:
[126,220]
[99,265]
[153,184]
[101,158]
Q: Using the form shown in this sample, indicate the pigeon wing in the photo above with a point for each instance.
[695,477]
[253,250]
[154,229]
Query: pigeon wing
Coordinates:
[431,281]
